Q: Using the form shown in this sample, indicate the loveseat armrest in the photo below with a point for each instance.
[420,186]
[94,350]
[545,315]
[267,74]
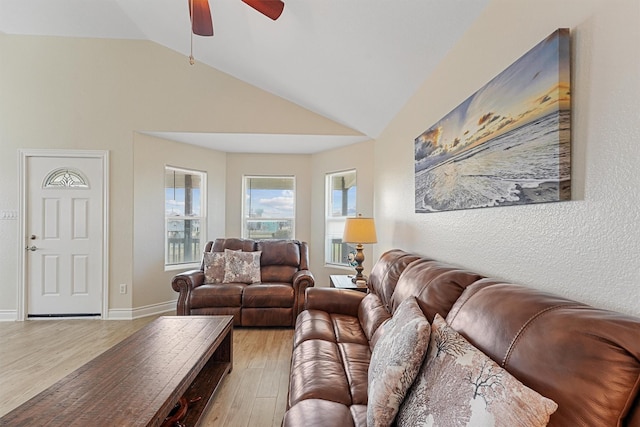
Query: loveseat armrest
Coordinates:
[331,300]
[302,280]
[184,284]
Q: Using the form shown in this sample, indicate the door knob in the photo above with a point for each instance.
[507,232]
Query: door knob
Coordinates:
[31,248]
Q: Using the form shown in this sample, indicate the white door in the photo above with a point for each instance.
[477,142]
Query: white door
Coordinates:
[64,236]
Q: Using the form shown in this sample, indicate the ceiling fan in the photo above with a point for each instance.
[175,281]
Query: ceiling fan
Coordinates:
[202,24]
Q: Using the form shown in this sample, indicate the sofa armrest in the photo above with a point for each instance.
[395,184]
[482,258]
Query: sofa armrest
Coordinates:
[302,280]
[331,300]
[184,283]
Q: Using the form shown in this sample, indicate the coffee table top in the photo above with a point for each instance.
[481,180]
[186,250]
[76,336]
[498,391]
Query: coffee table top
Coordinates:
[136,382]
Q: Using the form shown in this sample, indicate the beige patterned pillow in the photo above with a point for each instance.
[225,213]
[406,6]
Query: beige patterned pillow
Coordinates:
[459,385]
[242,267]
[214,263]
[395,362]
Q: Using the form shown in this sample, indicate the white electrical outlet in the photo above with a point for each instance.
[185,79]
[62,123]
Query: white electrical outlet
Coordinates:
[123,288]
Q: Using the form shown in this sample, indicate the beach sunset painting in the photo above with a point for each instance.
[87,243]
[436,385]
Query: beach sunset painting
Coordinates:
[507,144]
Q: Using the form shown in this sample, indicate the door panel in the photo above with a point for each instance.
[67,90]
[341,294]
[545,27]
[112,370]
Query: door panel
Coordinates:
[65,223]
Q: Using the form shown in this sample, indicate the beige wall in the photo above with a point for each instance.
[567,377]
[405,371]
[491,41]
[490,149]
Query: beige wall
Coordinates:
[358,157]
[587,248]
[151,290]
[71,93]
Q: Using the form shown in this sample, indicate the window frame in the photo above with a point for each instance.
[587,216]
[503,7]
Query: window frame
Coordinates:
[245,215]
[202,218]
[332,222]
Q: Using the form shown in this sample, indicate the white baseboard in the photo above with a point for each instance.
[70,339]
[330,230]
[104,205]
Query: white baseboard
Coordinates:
[11,315]
[144,311]
[114,313]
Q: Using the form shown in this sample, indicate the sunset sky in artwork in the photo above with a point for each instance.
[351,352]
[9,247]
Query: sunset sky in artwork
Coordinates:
[532,87]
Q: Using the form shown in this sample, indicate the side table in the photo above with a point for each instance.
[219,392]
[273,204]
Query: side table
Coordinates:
[343,281]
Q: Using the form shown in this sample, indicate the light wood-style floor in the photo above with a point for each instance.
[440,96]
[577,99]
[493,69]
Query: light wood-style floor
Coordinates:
[35,354]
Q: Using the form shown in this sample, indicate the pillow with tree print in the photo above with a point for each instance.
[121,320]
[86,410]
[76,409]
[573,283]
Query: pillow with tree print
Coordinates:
[459,385]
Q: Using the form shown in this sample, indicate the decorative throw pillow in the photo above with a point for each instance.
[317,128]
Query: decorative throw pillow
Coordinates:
[395,362]
[242,267]
[214,263]
[459,385]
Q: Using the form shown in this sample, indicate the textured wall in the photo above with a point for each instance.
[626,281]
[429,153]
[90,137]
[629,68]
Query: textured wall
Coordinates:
[586,249]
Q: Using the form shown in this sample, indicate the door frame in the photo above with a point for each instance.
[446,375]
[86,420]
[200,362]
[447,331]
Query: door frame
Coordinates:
[23,155]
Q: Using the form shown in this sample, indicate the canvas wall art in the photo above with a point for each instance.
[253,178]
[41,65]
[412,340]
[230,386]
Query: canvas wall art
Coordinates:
[507,144]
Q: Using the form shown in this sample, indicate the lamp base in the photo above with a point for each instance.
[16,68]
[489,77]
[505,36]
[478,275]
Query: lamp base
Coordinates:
[359,259]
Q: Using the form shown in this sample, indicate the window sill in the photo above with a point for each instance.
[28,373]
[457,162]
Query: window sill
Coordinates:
[175,267]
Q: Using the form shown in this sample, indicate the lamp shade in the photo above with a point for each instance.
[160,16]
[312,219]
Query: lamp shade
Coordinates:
[359,230]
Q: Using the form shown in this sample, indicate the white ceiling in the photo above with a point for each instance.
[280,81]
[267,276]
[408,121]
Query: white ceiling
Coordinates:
[356,62]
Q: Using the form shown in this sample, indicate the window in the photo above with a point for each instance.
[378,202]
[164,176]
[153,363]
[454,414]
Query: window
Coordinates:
[269,207]
[340,190]
[185,215]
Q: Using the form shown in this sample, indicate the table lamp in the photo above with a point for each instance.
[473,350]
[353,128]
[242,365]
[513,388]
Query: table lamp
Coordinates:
[359,230]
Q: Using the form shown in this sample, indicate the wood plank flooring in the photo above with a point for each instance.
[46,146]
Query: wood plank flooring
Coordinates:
[35,354]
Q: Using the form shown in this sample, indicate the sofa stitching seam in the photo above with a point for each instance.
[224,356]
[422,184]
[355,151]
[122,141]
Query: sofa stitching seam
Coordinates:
[526,325]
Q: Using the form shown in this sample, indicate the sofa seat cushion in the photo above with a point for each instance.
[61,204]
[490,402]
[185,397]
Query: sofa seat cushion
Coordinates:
[313,325]
[317,413]
[317,372]
[348,329]
[218,295]
[359,415]
[338,328]
[260,295]
[355,358]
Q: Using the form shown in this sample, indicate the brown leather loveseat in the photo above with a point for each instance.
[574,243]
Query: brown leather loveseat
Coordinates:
[274,301]
[587,360]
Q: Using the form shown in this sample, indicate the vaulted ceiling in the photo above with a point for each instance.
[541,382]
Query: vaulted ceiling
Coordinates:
[356,62]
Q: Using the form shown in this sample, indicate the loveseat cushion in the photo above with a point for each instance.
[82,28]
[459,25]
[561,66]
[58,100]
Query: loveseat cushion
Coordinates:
[268,295]
[280,260]
[218,295]
[395,362]
[459,382]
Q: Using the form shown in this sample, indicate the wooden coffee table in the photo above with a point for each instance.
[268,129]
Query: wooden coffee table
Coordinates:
[139,381]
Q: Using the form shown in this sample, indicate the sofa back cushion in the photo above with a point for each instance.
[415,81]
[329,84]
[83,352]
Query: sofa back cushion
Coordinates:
[234,244]
[280,259]
[585,359]
[371,314]
[386,271]
[435,285]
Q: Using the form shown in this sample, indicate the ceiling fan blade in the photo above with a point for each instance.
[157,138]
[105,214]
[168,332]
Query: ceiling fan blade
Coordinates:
[201,17]
[271,8]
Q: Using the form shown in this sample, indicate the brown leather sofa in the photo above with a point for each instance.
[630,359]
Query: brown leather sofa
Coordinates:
[275,301]
[585,359]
